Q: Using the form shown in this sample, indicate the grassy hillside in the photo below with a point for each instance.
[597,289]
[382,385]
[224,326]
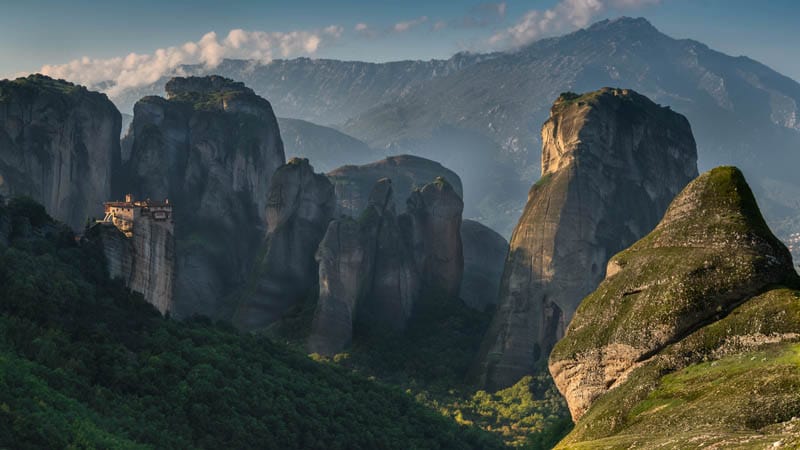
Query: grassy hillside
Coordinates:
[85,363]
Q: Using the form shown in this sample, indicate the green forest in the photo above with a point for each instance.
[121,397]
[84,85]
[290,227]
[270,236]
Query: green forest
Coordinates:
[85,363]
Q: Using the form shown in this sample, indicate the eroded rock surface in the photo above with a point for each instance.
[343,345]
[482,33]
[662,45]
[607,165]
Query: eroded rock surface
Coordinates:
[59,144]
[484,256]
[211,147]
[300,206]
[375,270]
[612,160]
[435,212]
[354,183]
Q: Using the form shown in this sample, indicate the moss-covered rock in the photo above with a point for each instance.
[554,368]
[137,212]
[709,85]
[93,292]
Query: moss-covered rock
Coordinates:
[691,337]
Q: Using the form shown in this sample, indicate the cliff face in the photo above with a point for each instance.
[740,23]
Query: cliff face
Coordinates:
[485,253]
[354,265]
[435,212]
[59,144]
[343,264]
[300,206]
[611,162]
[354,183]
[395,278]
[666,333]
[145,262]
[211,147]
[375,270]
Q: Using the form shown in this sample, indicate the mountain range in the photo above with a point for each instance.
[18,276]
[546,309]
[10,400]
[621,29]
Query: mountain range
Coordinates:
[480,114]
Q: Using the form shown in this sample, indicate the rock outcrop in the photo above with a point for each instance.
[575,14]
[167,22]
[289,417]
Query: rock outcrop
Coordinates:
[700,291]
[395,278]
[375,270]
[366,273]
[59,144]
[354,183]
[300,205]
[485,253]
[435,212]
[343,267]
[612,160]
[211,147]
[145,261]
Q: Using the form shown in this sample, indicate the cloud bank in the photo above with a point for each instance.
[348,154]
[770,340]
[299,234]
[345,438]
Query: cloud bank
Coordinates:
[565,15]
[136,70]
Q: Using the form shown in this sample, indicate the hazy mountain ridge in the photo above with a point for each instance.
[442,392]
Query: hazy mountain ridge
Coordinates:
[473,110]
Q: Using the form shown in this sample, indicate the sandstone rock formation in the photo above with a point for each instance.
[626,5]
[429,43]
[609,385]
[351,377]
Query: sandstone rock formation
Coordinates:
[704,285]
[59,144]
[300,205]
[484,255]
[435,212]
[211,147]
[375,270]
[395,278]
[343,266]
[354,183]
[145,262]
[612,160]
[366,273]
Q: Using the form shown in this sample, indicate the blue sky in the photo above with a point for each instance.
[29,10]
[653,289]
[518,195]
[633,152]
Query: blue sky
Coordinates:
[36,33]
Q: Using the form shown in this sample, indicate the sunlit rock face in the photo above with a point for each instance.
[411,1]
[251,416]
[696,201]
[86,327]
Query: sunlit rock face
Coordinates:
[59,144]
[612,160]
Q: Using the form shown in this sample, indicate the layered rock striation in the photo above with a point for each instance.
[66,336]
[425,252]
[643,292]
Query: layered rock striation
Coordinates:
[211,147]
[612,160]
[691,333]
[59,144]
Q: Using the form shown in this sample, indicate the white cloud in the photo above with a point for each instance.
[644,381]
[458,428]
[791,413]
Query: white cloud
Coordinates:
[136,69]
[402,27]
[566,14]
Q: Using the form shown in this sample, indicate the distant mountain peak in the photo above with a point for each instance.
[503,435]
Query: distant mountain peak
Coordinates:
[623,23]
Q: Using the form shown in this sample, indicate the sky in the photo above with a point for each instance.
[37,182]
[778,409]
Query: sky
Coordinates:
[134,42]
